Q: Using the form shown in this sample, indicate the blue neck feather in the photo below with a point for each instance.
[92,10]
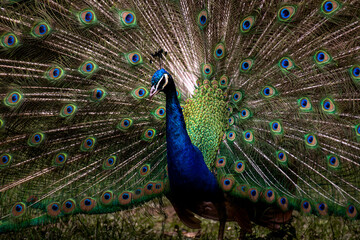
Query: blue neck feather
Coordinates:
[187,170]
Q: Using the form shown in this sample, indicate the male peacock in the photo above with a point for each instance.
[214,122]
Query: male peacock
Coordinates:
[271,121]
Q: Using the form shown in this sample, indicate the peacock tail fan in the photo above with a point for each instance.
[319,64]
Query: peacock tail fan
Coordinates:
[269,90]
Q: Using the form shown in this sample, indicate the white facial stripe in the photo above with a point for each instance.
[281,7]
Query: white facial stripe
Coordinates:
[166,82]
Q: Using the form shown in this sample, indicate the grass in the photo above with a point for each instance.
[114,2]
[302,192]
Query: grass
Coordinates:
[159,221]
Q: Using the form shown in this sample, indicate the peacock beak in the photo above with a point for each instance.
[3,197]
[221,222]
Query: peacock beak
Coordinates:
[153,91]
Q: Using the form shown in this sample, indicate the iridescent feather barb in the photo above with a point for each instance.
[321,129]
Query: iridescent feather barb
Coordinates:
[264,118]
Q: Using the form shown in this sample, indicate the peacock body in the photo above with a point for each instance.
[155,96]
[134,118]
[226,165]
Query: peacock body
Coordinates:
[260,114]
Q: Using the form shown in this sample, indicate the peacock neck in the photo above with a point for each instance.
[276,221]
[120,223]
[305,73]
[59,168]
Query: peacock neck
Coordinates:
[187,170]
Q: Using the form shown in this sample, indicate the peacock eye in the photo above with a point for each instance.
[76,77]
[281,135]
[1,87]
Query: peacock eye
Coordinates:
[231,135]
[330,7]
[134,58]
[202,19]
[40,30]
[207,70]
[286,64]
[9,40]
[107,197]
[328,106]
[13,99]
[321,57]
[88,144]
[247,24]
[87,17]
[219,51]
[160,112]
[5,160]
[239,166]
[224,81]
[55,73]
[311,140]
[268,92]
[145,170]
[248,136]
[333,161]
[276,128]
[36,139]
[60,159]
[140,93]
[125,124]
[355,72]
[18,209]
[220,162]
[244,113]
[237,96]
[109,163]
[128,19]
[98,94]
[149,134]
[246,65]
[88,68]
[286,13]
[68,110]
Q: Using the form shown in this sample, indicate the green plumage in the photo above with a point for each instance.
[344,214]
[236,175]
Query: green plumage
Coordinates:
[269,90]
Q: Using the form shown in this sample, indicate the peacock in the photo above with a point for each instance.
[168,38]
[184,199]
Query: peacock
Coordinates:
[240,111]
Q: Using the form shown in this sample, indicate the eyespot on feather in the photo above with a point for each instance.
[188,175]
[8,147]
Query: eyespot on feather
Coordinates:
[138,193]
[311,140]
[281,157]
[53,209]
[40,30]
[268,92]
[224,81]
[305,207]
[239,166]
[305,104]
[253,194]
[149,188]
[125,124]
[286,64]
[246,24]
[248,136]
[351,211]
[286,13]
[68,110]
[149,134]
[243,189]
[145,170]
[322,209]
[160,112]
[9,40]
[333,161]
[236,97]
[36,139]
[283,203]
[13,99]
[246,65]
[219,52]
[202,19]
[88,67]
[220,162]
[158,187]
[206,70]
[321,58]
[244,113]
[55,73]
[110,162]
[140,93]
[87,17]
[128,18]
[87,204]
[330,7]
[88,144]
[68,206]
[98,94]
[276,128]
[231,135]
[231,121]
[5,160]
[107,197]
[60,159]
[328,106]
[134,58]
[18,209]
[227,183]
[269,195]
[355,73]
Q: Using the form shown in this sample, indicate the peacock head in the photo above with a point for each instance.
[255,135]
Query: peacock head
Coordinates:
[160,81]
